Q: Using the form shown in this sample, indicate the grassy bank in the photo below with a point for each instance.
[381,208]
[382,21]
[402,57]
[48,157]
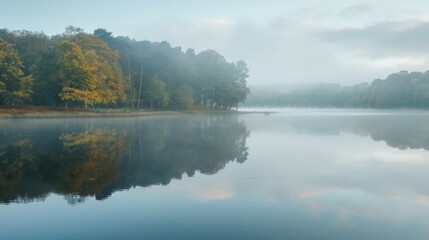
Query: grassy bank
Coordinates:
[44,112]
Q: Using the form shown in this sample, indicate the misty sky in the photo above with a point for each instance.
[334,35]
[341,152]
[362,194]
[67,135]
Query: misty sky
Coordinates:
[283,42]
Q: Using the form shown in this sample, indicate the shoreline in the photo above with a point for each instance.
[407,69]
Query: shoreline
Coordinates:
[29,113]
[84,114]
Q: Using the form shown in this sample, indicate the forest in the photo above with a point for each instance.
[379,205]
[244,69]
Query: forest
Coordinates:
[399,90]
[81,70]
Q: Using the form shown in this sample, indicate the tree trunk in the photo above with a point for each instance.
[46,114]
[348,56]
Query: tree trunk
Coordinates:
[213,92]
[131,85]
[140,86]
[205,97]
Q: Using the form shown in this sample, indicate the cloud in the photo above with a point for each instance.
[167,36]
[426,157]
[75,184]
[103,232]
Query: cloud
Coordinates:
[356,10]
[218,25]
[384,39]
[306,45]
[279,24]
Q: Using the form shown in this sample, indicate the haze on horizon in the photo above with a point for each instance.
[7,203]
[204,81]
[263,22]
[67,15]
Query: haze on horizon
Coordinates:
[282,42]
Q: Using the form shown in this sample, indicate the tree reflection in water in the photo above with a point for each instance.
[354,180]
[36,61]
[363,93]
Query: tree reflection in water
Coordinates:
[97,157]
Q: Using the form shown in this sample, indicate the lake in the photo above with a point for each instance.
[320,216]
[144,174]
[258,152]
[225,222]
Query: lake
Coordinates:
[293,174]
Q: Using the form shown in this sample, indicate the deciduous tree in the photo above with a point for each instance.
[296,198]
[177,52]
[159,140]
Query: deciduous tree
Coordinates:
[15,88]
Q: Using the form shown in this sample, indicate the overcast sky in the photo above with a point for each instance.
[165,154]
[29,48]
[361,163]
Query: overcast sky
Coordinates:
[282,42]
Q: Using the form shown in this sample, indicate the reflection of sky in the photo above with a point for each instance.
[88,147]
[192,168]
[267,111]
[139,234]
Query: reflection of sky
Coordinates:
[348,175]
[295,184]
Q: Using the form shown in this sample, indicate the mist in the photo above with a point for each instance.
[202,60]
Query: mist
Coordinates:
[198,119]
[344,42]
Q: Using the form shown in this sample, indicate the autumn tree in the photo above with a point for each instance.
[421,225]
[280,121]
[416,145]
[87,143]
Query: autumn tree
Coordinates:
[103,70]
[15,87]
[80,68]
[109,80]
[129,58]
[76,74]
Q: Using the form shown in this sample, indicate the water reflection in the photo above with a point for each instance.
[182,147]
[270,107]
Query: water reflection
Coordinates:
[398,130]
[91,157]
[350,172]
[320,176]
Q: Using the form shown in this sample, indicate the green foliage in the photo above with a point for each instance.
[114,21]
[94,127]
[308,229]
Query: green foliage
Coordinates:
[157,93]
[15,88]
[46,84]
[207,78]
[109,80]
[75,74]
[30,45]
[182,97]
[106,71]
[398,90]
[80,68]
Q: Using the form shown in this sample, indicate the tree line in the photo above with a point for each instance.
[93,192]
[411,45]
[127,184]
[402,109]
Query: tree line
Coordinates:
[79,69]
[399,90]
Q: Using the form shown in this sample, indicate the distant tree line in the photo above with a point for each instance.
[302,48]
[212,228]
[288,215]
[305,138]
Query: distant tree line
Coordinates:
[398,90]
[100,70]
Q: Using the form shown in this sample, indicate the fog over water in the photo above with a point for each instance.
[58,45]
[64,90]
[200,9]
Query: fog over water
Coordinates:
[308,173]
[350,161]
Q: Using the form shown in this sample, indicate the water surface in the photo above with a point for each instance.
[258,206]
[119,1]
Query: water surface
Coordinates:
[295,174]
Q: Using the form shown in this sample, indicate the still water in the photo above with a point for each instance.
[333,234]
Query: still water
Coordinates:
[294,174]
